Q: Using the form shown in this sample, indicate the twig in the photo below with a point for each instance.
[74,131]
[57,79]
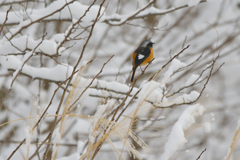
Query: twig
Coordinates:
[54,93]
[90,83]
[40,146]
[128,104]
[168,62]
[113,21]
[73,26]
[130,17]
[40,19]
[18,72]
[6,18]
[123,102]
[75,67]
[200,94]
[184,42]
[193,83]
[185,67]
[201,154]
[16,149]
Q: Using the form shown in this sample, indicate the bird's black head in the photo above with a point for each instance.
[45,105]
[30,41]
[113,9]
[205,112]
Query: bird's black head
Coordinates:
[150,44]
[146,43]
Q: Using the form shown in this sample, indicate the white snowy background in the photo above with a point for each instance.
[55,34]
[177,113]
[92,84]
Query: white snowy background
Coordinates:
[43,42]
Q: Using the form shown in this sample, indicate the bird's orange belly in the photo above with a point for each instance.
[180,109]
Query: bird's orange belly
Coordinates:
[147,60]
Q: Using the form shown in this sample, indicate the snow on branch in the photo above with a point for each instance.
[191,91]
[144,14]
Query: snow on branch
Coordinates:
[177,138]
[116,19]
[51,74]
[53,11]
[25,43]
[20,66]
[57,10]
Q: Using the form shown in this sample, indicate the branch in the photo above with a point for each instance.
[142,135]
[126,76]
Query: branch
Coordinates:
[90,83]
[168,63]
[73,72]
[72,27]
[116,110]
[16,149]
[123,19]
[201,154]
[6,18]
[36,151]
[204,86]
[120,20]
[40,19]
[18,71]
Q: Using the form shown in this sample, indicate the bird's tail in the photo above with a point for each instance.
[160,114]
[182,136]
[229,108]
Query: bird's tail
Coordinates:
[133,73]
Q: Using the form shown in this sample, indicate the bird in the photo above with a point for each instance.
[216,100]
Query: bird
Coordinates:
[142,56]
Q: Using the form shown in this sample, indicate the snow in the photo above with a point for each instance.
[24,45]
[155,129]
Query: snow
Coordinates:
[80,147]
[77,10]
[31,94]
[57,73]
[19,68]
[177,137]
[185,98]
[146,89]
[24,43]
[207,127]
[122,18]
[174,66]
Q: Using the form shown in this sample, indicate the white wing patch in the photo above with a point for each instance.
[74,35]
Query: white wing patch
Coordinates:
[140,56]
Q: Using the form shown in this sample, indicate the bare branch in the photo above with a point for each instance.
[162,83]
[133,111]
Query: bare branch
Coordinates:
[201,154]
[168,63]
[6,18]
[124,20]
[36,151]
[16,149]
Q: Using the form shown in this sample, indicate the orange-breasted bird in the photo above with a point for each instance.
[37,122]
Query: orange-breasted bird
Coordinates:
[142,56]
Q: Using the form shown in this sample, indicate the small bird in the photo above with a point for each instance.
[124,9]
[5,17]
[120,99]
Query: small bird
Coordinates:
[142,56]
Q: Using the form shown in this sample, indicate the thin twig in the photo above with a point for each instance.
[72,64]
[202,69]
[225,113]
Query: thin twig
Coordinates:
[6,18]
[40,19]
[72,27]
[75,67]
[90,83]
[113,21]
[168,62]
[200,94]
[123,102]
[16,149]
[130,17]
[201,154]
[16,75]
[40,146]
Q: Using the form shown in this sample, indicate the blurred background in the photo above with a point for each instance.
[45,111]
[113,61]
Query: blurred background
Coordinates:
[209,27]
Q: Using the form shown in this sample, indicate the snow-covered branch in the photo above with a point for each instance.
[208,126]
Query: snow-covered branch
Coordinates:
[116,19]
